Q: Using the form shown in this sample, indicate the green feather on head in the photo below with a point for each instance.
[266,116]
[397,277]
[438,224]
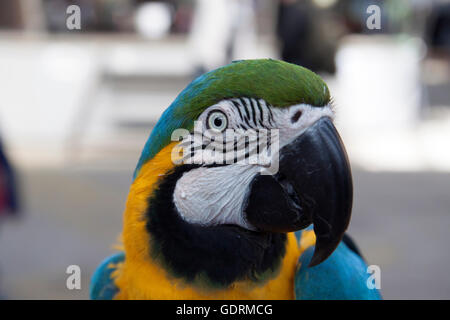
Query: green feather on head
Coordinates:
[279,83]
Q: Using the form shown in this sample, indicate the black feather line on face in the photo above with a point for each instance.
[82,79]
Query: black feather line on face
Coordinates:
[208,257]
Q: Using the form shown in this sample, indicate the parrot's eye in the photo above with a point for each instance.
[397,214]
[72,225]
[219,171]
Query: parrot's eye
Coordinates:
[217,120]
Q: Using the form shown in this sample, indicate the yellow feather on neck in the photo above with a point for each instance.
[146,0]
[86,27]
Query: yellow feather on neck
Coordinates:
[139,277]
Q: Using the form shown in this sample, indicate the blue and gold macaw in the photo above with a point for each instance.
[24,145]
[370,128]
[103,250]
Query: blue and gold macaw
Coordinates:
[227,231]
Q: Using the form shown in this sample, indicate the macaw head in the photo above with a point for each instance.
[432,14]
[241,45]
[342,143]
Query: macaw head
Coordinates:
[221,216]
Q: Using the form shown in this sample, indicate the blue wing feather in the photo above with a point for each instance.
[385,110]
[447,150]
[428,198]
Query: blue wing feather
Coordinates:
[343,276]
[102,285]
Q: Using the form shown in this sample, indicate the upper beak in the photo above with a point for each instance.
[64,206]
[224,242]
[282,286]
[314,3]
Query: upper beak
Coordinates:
[313,185]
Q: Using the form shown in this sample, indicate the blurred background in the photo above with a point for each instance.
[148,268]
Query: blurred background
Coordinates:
[77,105]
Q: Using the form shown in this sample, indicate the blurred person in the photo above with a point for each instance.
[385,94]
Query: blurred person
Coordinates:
[303,40]
[8,189]
[438,29]
[437,61]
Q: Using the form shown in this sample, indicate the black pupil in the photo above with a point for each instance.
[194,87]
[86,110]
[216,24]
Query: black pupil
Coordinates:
[218,122]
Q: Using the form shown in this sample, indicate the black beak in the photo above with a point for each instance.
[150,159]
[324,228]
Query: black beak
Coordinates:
[313,185]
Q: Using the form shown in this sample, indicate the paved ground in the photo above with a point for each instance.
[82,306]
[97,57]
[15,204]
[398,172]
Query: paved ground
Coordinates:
[400,221]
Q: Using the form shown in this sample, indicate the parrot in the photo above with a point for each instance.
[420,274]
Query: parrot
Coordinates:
[235,230]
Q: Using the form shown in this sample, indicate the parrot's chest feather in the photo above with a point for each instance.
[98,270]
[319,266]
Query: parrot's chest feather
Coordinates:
[212,257]
[148,280]
[166,257]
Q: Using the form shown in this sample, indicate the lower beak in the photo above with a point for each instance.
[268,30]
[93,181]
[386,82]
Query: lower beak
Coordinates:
[313,185]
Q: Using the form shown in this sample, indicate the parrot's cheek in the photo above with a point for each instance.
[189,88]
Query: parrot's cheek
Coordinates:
[313,185]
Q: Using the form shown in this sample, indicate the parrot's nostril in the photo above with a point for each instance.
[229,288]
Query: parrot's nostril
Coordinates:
[296,116]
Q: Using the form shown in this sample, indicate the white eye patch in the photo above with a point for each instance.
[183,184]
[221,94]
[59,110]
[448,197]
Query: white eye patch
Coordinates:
[214,196]
[294,120]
